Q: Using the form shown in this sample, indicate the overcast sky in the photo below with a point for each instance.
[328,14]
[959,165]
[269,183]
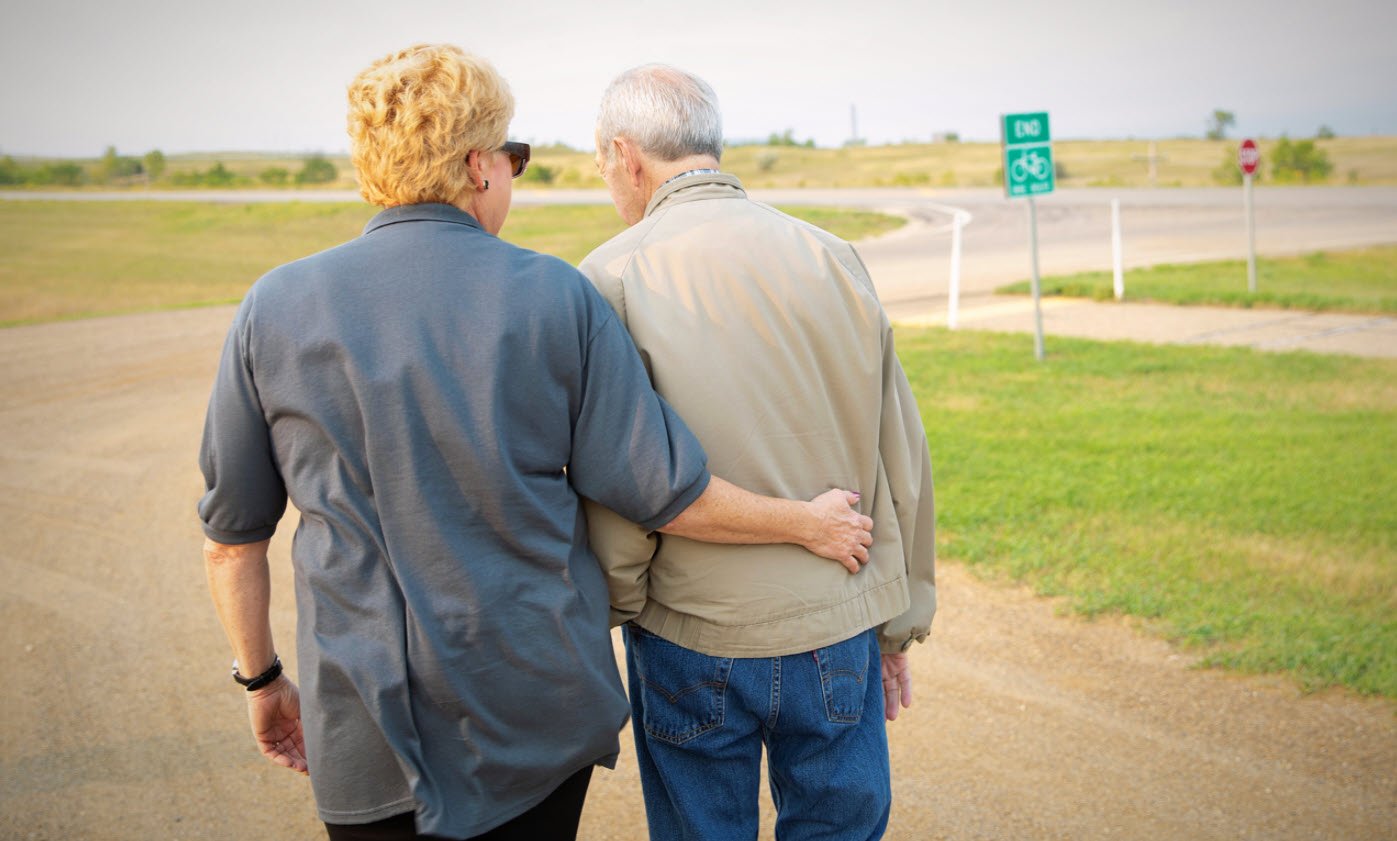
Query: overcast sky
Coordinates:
[256,75]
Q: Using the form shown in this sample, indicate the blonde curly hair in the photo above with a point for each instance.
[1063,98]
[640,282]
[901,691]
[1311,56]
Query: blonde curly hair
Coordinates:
[413,117]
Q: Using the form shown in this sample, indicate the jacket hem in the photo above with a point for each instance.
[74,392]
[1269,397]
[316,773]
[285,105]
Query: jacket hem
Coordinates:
[779,636]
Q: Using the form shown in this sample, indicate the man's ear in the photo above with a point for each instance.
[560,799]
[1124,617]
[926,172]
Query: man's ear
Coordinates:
[629,160]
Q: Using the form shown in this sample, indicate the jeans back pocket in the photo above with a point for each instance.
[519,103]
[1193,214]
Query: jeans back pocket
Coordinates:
[682,691]
[843,677]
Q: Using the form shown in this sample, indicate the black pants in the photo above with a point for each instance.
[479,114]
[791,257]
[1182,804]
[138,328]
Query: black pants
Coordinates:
[555,819]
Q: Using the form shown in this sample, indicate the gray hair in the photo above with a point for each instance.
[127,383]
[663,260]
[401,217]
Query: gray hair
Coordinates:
[669,113]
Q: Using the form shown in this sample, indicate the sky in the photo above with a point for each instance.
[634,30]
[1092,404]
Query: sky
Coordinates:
[196,76]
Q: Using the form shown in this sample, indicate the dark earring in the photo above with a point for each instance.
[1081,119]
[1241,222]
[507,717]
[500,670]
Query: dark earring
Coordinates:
[487,185]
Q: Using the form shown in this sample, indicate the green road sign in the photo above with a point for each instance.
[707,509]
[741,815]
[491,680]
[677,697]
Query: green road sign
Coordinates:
[1028,155]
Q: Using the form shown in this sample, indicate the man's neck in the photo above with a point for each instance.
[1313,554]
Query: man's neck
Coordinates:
[668,169]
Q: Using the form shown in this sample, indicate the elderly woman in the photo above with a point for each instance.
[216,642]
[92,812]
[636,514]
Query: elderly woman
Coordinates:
[434,401]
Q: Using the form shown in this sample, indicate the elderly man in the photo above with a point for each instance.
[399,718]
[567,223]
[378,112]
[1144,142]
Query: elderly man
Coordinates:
[765,333]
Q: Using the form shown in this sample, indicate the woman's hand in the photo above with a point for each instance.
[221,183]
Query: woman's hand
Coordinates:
[275,712]
[838,532]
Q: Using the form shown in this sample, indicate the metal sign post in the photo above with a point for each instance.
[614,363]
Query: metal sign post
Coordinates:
[953,305]
[1117,275]
[1248,158]
[1028,172]
[1037,293]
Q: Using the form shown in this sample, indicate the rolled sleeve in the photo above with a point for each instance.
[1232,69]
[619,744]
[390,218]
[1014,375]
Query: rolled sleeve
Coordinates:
[244,495]
[630,451]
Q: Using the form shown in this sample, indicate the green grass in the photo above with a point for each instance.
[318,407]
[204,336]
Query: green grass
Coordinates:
[1242,504]
[63,260]
[1363,280]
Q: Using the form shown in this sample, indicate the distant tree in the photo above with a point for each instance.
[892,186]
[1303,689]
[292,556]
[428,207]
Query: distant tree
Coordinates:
[218,175]
[539,174]
[1219,123]
[1299,161]
[106,168]
[113,166]
[1325,133]
[154,162]
[1228,172]
[67,174]
[317,170]
[274,176]
[787,138]
[10,172]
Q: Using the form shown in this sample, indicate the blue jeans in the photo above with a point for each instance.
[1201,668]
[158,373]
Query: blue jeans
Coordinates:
[700,723]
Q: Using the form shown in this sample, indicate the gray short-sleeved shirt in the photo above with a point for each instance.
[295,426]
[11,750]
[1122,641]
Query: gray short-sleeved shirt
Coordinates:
[434,401]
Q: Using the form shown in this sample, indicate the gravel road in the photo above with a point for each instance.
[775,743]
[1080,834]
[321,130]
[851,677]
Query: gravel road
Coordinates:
[120,720]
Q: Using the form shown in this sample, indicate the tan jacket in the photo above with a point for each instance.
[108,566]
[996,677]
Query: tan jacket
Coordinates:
[766,335]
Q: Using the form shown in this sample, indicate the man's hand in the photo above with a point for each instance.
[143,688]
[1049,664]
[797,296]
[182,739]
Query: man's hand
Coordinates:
[275,712]
[841,533]
[897,684]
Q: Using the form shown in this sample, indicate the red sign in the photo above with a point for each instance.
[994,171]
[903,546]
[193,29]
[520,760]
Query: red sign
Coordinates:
[1248,156]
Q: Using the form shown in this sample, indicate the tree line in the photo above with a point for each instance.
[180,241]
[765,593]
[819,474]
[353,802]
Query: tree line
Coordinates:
[152,167]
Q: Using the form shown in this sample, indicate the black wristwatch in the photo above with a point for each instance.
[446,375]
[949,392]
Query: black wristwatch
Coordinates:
[252,683]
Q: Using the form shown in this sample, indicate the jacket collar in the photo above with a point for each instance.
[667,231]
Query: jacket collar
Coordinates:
[720,184]
[421,213]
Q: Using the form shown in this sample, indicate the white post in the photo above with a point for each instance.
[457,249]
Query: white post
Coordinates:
[953,306]
[1037,295]
[1251,236]
[1116,249]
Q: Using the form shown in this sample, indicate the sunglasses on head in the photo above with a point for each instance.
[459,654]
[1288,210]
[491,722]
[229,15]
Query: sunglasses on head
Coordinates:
[518,156]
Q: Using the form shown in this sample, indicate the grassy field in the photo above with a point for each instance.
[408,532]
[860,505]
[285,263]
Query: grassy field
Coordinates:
[63,260]
[1362,280]
[1180,162]
[1242,504]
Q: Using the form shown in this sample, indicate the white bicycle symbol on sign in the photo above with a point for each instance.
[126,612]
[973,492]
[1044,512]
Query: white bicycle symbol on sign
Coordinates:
[1029,163]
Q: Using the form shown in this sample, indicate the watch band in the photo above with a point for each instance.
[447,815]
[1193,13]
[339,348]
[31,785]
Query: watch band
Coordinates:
[253,683]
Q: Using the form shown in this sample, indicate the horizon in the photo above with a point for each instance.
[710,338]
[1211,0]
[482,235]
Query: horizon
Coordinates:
[728,143]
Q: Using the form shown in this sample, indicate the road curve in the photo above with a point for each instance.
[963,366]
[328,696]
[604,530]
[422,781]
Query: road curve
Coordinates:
[911,266]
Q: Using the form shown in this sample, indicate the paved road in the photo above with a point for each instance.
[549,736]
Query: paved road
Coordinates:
[911,266]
